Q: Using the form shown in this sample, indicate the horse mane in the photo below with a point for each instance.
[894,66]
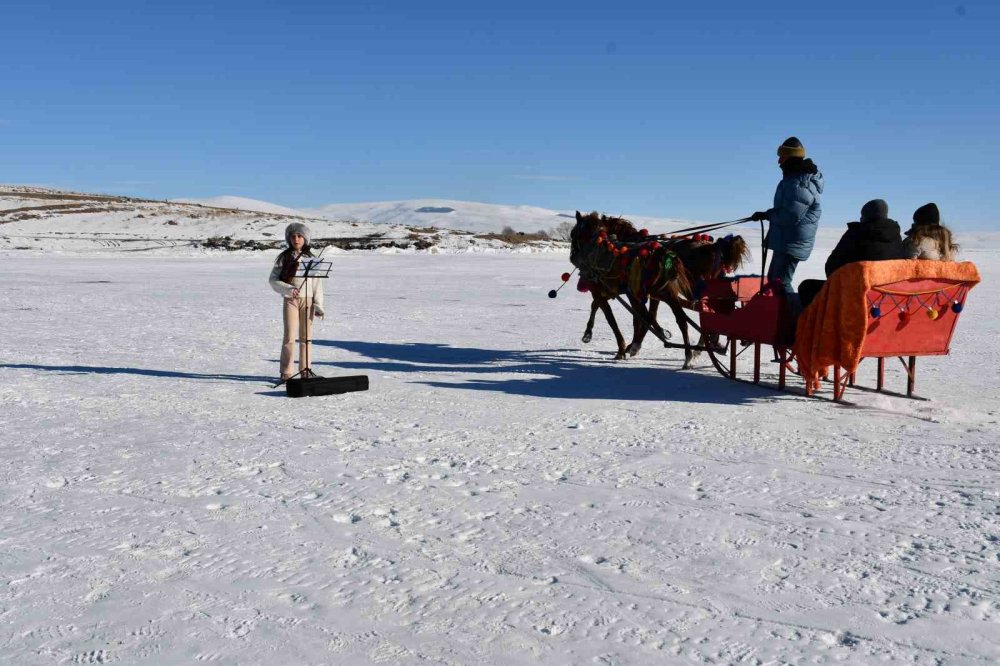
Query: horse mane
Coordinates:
[619,227]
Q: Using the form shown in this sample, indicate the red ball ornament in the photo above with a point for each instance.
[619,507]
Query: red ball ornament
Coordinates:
[565,277]
[643,232]
[643,252]
[656,245]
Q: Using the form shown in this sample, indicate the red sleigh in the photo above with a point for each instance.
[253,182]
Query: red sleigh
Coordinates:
[905,308]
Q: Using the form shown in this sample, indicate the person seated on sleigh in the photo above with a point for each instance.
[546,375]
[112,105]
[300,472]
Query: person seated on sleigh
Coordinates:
[928,238]
[875,237]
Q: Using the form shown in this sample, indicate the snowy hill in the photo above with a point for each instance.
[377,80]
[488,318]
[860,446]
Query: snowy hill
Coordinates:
[51,220]
[243,203]
[466,215]
[448,214]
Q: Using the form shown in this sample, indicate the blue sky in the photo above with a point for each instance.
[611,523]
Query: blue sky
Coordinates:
[643,108]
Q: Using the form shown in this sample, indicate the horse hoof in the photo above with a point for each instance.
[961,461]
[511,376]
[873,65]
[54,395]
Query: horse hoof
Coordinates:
[633,349]
[586,337]
[620,356]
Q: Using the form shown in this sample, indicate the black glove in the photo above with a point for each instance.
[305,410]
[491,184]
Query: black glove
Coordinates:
[759,216]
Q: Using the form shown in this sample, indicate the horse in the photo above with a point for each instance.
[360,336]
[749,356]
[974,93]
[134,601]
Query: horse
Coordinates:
[615,258]
[601,248]
[600,270]
[699,261]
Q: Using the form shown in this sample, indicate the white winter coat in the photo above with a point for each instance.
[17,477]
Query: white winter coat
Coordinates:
[315,291]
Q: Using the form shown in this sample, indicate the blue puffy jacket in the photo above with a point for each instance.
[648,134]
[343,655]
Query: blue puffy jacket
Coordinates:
[795,215]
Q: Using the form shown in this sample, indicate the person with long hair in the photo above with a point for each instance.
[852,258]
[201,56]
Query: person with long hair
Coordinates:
[928,238]
[298,298]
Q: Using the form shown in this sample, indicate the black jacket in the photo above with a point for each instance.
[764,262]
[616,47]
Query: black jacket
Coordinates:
[872,240]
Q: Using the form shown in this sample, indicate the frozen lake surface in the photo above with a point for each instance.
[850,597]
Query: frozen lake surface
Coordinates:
[502,495]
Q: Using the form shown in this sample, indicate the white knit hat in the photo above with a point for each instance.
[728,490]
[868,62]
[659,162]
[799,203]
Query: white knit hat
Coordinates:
[296,228]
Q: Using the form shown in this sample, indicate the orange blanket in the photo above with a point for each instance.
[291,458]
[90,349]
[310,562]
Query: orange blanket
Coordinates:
[832,329]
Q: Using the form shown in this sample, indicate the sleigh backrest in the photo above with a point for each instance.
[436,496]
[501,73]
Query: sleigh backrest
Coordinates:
[914,317]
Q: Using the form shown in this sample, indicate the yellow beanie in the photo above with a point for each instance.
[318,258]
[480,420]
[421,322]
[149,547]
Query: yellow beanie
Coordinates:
[792,147]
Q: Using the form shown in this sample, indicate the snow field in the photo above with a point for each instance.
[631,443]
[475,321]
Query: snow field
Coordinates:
[502,495]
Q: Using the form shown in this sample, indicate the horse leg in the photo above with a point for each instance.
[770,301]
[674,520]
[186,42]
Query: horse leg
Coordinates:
[681,318]
[610,316]
[588,333]
[641,328]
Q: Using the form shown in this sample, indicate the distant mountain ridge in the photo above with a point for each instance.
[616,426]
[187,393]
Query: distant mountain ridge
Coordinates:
[243,203]
[43,218]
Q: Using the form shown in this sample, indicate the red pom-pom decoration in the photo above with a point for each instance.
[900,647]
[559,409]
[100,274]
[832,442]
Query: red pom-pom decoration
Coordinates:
[643,232]
[565,277]
[656,245]
[643,252]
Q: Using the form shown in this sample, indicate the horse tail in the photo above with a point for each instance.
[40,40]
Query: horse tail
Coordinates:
[682,285]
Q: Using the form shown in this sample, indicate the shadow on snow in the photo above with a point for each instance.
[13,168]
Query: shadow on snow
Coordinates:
[547,373]
[144,372]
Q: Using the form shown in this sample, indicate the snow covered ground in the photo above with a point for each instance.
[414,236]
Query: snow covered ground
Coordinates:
[502,495]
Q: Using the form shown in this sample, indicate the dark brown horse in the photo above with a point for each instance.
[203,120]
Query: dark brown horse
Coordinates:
[614,259]
[601,273]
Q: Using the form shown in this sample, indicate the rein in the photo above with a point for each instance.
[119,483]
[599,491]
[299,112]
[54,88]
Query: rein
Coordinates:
[703,228]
